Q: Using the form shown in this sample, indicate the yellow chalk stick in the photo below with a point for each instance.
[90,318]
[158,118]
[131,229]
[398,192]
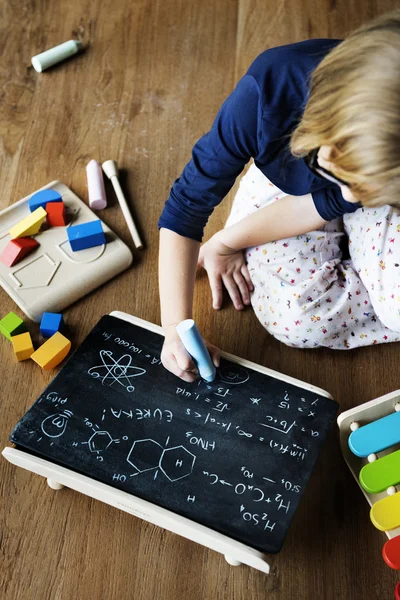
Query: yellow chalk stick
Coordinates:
[52,352]
[30,225]
[385,514]
[23,346]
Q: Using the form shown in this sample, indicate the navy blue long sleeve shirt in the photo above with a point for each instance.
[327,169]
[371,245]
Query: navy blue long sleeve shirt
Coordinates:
[255,121]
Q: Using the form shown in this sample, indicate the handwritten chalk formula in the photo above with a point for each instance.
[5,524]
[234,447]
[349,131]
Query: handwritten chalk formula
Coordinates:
[234,454]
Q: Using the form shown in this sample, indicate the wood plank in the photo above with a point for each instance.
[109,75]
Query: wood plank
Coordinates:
[150,83]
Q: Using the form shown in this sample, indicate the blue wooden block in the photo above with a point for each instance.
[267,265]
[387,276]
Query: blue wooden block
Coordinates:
[42,198]
[50,324]
[376,436]
[86,235]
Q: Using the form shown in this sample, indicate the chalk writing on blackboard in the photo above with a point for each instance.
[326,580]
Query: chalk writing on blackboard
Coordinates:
[147,455]
[116,371]
[281,426]
[234,455]
[55,425]
[234,375]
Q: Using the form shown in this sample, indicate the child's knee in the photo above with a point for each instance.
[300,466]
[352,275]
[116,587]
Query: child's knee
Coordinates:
[388,312]
[297,328]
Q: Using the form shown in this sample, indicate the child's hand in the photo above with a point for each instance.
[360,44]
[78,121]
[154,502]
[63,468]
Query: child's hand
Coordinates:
[226,267]
[175,358]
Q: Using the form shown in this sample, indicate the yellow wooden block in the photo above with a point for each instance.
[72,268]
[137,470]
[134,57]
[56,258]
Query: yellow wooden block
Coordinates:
[52,352]
[385,514]
[30,225]
[22,345]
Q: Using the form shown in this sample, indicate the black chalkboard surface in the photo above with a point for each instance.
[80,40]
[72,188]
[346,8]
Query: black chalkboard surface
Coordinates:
[234,455]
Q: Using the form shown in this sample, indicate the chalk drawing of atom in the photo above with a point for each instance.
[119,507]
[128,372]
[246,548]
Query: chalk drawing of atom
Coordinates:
[118,371]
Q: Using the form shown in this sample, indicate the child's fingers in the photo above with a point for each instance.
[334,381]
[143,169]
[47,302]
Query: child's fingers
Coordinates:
[171,365]
[216,290]
[183,367]
[215,354]
[233,291]
[242,285]
[245,272]
[184,360]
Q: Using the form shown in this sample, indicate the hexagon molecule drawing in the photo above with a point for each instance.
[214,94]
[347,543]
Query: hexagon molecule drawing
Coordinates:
[148,455]
[145,455]
[100,441]
[177,463]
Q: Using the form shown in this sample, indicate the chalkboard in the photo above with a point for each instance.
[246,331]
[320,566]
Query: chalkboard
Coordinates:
[234,455]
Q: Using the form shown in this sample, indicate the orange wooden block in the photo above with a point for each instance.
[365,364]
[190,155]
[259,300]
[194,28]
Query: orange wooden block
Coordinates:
[22,345]
[17,249]
[56,214]
[52,352]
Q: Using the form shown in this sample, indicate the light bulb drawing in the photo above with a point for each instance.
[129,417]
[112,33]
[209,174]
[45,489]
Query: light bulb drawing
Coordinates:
[55,425]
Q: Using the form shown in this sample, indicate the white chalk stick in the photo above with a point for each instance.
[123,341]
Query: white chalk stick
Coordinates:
[51,57]
[97,193]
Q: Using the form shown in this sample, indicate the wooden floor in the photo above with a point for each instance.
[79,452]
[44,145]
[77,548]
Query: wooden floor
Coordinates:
[149,84]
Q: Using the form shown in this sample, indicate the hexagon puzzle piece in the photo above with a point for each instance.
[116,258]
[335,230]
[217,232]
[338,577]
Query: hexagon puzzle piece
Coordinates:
[52,352]
[40,199]
[17,249]
[22,345]
[86,235]
[30,225]
[50,324]
[11,325]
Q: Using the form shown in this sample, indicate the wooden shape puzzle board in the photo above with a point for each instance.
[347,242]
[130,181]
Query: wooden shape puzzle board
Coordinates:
[53,276]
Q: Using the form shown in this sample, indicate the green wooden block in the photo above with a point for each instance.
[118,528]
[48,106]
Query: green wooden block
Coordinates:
[11,325]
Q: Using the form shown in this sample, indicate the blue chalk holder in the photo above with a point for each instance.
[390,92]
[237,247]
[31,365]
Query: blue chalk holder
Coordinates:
[194,344]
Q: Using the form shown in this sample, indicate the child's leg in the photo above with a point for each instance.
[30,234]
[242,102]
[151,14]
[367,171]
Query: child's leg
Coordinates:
[374,245]
[305,294]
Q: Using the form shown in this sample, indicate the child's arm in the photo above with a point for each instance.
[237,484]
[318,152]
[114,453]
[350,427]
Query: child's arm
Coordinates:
[222,255]
[177,271]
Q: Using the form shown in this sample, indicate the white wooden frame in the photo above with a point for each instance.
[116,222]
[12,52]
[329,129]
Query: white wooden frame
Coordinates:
[363,414]
[235,552]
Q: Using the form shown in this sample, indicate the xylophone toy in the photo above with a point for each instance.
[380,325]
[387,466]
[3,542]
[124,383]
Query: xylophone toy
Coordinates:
[370,443]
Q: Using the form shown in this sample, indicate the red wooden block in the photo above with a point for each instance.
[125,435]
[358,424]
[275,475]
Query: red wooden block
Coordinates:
[391,553]
[17,249]
[56,214]
[397,591]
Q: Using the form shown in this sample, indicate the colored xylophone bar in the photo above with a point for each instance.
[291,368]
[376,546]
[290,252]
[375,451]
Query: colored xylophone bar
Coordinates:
[370,439]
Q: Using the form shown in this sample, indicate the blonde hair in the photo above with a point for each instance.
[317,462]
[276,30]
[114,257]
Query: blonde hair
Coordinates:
[354,107]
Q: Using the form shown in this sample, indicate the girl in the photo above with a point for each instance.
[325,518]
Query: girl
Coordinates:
[321,120]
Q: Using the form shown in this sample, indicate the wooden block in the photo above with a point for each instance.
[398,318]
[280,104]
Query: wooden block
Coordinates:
[56,214]
[30,225]
[17,249]
[376,436]
[22,345]
[52,352]
[11,325]
[385,514]
[379,475]
[50,324]
[391,553]
[43,198]
[86,235]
